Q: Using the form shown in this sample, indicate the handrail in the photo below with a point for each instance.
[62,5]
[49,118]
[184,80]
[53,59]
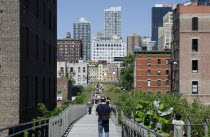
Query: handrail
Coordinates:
[189,124]
[49,127]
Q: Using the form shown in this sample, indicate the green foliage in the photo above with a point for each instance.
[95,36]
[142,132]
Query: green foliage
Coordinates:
[143,103]
[46,113]
[88,89]
[127,72]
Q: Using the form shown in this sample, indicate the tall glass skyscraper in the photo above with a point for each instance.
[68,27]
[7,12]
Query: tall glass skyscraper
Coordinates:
[158,12]
[201,2]
[112,18]
[82,31]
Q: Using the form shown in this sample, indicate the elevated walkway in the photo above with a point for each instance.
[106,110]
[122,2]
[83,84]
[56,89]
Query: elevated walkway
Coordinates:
[87,126]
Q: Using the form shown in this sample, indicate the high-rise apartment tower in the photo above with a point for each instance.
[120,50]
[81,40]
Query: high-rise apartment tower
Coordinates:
[82,31]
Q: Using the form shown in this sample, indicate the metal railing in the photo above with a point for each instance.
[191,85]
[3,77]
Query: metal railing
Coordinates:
[57,126]
[131,128]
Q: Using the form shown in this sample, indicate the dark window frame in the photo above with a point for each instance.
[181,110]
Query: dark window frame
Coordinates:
[158,83]
[194,45]
[159,61]
[195,23]
[194,66]
[194,83]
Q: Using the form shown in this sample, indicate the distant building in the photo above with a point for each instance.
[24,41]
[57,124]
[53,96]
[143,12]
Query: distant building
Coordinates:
[201,2]
[93,74]
[108,48]
[62,90]
[69,50]
[152,71]
[133,42]
[82,31]
[27,59]
[191,51]
[164,33]
[158,12]
[147,44]
[78,71]
[112,19]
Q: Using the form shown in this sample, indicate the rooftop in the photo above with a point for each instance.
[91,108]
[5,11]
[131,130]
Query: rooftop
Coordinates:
[113,9]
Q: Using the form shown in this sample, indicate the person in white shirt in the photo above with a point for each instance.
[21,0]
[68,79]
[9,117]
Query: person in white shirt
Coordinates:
[178,125]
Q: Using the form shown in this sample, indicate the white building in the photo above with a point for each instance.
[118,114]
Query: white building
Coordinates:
[164,33]
[78,71]
[107,49]
[93,73]
[112,19]
[147,44]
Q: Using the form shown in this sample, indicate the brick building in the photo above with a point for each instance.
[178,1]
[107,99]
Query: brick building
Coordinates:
[69,50]
[191,52]
[27,58]
[62,90]
[152,71]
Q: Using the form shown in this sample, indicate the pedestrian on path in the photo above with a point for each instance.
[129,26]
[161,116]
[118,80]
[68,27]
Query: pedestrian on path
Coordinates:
[108,101]
[92,97]
[103,111]
[89,105]
[178,125]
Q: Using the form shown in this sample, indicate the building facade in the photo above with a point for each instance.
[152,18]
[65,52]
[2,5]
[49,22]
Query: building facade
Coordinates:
[165,33]
[133,42]
[107,49]
[190,52]
[62,90]
[28,59]
[78,71]
[93,74]
[112,21]
[158,12]
[82,31]
[69,50]
[147,44]
[152,71]
[201,2]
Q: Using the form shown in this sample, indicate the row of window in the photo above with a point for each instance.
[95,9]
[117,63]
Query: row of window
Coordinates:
[149,61]
[79,78]
[158,83]
[149,72]
[79,69]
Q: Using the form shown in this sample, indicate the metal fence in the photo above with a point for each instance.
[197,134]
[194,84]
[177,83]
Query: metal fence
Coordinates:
[51,127]
[131,128]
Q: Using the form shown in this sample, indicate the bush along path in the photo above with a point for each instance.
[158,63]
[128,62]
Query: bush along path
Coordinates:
[150,109]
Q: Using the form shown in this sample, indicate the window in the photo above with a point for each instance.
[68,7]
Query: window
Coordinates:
[83,69]
[194,87]
[167,82]
[27,41]
[59,95]
[148,60]
[79,69]
[79,77]
[71,69]
[167,72]
[83,77]
[159,72]
[194,66]
[159,61]
[61,69]
[158,92]
[159,82]
[149,83]
[167,61]
[37,47]
[194,45]
[148,72]
[194,23]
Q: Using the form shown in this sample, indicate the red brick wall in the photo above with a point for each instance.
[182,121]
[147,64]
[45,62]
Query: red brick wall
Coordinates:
[142,75]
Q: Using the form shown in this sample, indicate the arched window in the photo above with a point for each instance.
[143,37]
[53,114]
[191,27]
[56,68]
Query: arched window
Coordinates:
[194,23]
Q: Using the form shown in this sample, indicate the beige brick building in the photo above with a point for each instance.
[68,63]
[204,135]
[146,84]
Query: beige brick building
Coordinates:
[133,42]
[191,52]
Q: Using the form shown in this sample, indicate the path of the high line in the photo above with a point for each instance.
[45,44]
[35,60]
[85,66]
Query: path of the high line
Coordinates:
[87,126]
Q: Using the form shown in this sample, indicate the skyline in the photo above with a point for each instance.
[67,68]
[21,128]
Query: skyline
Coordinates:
[133,15]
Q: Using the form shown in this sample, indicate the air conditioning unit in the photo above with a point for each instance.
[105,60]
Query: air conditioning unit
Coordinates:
[59,98]
[149,64]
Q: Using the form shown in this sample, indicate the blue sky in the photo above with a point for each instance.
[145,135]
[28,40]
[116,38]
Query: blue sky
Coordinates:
[136,15]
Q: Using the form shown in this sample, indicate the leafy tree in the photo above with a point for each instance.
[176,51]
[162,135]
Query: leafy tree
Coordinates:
[127,72]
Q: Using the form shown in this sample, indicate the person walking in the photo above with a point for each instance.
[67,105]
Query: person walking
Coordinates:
[108,101]
[92,97]
[178,125]
[89,105]
[103,111]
